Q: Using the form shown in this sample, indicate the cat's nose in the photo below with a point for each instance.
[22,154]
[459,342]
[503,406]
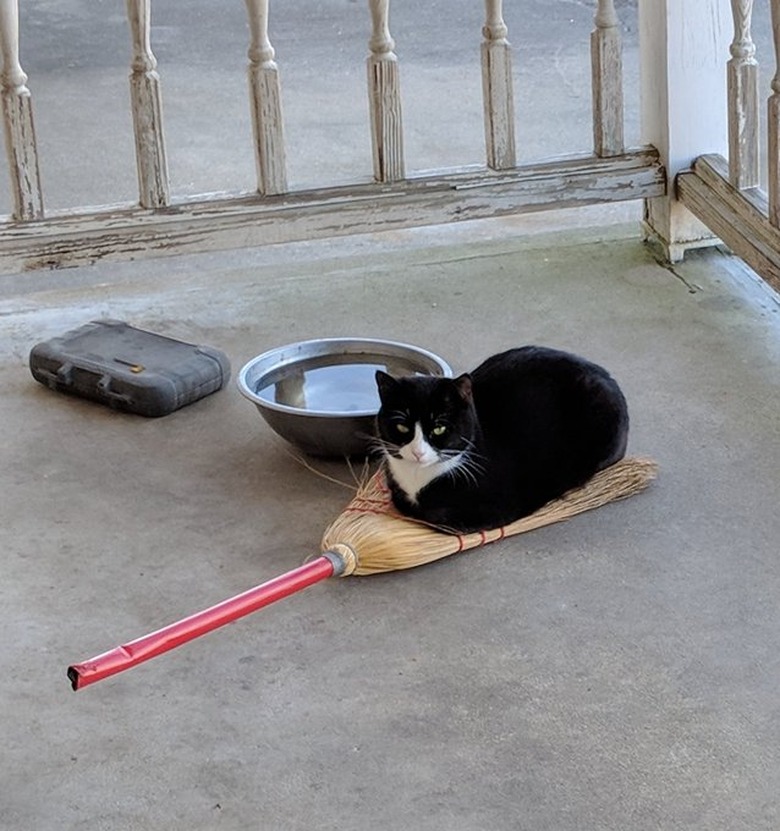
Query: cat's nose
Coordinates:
[418,454]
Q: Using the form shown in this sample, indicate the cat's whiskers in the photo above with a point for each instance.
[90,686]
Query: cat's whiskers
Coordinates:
[385,448]
[468,467]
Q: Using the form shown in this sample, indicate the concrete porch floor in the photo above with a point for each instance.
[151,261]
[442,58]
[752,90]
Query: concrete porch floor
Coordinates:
[619,671]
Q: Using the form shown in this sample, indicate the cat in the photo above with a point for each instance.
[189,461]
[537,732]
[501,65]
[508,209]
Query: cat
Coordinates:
[488,447]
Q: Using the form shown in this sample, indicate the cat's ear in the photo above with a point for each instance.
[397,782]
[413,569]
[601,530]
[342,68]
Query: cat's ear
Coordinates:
[385,383]
[463,386]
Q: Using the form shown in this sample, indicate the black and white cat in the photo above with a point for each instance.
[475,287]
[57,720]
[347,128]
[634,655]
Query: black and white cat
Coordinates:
[491,446]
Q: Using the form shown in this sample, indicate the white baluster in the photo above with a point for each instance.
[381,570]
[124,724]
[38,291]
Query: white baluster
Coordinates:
[384,95]
[20,144]
[146,103]
[497,90]
[742,77]
[606,54]
[266,103]
[773,124]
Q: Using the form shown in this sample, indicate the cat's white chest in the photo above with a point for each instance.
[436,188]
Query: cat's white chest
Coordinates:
[419,464]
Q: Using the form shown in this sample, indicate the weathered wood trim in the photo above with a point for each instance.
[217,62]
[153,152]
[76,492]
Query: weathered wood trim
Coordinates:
[123,233]
[739,217]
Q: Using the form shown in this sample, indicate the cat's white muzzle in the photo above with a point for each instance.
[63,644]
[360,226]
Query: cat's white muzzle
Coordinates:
[418,465]
[418,451]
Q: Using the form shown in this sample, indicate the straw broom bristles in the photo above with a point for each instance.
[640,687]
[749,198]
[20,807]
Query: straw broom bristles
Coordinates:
[372,537]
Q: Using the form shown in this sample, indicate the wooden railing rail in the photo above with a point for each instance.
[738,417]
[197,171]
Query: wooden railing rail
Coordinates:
[162,223]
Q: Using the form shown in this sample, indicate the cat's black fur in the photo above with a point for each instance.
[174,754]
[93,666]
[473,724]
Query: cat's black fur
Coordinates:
[530,423]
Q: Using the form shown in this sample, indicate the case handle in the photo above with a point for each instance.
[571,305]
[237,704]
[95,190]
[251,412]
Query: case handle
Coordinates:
[105,391]
[60,378]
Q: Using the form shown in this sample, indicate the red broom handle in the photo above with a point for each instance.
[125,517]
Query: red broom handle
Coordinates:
[169,637]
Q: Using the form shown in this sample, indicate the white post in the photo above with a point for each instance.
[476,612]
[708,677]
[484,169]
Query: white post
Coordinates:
[20,145]
[384,97]
[146,103]
[497,92]
[684,45]
[742,75]
[266,102]
[606,56]
[773,124]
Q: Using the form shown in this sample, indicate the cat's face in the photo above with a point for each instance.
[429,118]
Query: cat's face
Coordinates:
[425,420]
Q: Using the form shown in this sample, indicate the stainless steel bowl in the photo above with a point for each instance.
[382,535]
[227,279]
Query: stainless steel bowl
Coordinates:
[320,395]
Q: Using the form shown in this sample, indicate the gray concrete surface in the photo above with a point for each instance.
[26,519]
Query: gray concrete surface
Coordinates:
[616,672]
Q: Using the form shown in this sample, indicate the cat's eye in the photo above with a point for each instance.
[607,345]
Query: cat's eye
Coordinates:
[402,429]
[439,430]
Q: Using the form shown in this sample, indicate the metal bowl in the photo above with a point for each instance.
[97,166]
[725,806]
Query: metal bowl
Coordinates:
[321,396]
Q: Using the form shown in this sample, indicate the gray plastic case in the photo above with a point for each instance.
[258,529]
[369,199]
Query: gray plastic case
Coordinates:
[129,369]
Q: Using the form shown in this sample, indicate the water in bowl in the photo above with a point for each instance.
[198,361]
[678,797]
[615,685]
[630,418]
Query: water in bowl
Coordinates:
[338,383]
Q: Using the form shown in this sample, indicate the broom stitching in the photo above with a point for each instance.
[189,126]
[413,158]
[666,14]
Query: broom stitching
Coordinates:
[355,509]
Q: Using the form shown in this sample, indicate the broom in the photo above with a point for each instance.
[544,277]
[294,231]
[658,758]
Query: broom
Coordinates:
[368,537]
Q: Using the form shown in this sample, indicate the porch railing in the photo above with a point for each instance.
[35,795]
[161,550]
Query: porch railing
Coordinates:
[726,195]
[162,223]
